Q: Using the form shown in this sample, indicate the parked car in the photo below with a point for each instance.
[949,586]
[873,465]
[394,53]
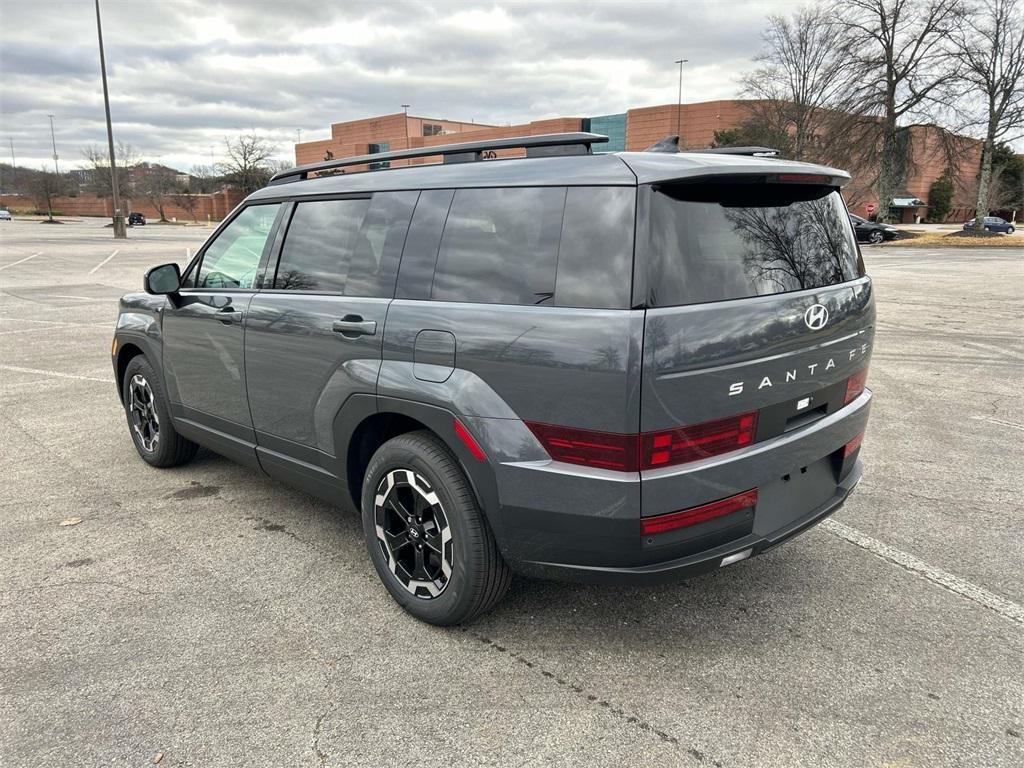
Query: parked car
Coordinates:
[870,232]
[136,219]
[5,215]
[623,367]
[993,224]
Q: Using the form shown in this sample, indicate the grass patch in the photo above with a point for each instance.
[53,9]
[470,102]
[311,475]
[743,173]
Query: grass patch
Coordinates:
[958,239]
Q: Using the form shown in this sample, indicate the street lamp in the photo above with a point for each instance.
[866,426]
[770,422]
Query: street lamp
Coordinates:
[405,109]
[679,103]
[120,232]
[53,141]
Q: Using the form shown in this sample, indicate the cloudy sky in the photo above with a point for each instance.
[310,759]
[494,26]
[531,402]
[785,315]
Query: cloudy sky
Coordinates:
[185,74]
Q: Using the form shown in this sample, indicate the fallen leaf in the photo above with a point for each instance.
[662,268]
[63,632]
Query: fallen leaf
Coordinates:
[71,521]
[158,757]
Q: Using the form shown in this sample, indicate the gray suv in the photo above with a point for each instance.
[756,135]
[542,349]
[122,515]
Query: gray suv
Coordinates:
[606,367]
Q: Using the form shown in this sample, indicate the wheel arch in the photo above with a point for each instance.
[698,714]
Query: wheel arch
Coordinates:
[363,426]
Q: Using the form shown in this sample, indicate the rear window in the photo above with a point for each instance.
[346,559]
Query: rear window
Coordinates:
[713,242]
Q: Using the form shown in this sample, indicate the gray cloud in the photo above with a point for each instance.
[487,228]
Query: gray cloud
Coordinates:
[184,75]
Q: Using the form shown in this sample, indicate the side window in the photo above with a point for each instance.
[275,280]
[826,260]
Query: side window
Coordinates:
[232,259]
[350,246]
[500,246]
[595,260]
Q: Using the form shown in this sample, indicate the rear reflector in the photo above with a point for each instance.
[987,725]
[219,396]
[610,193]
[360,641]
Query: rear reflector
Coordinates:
[855,385]
[678,446]
[853,445]
[701,514]
[468,440]
[649,450]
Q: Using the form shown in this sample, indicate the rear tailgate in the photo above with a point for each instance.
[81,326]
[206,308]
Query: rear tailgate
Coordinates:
[759,314]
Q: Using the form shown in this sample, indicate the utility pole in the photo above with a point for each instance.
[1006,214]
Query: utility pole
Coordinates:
[679,103]
[53,141]
[120,232]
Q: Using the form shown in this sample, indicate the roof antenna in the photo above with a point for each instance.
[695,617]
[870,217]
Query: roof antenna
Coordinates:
[669,144]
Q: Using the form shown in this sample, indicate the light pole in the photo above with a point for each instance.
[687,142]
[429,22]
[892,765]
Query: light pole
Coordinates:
[298,135]
[13,164]
[120,232]
[679,102]
[405,109]
[53,141]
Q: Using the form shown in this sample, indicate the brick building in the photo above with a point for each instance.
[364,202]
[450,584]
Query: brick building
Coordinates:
[637,129]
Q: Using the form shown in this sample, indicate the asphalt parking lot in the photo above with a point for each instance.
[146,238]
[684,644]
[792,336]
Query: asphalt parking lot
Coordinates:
[217,618]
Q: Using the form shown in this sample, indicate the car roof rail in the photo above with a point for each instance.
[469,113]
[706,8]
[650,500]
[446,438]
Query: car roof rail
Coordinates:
[544,145]
[749,151]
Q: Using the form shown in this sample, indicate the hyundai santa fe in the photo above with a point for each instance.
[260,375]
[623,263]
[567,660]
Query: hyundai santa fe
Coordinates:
[609,367]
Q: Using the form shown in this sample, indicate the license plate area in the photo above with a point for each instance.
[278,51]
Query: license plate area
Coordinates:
[793,495]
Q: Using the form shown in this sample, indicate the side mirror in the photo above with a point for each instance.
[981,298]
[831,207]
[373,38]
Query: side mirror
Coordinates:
[164,280]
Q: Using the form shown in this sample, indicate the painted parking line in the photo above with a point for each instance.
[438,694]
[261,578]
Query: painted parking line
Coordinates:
[999,422]
[54,374]
[1005,608]
[105,261]
[20,261]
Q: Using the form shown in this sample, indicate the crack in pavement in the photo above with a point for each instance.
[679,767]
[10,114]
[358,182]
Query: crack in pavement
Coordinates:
[628,718]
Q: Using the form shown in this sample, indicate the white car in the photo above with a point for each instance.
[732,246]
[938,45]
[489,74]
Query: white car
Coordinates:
[5,215]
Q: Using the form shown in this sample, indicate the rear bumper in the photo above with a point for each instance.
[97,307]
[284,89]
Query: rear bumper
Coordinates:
[702,562]
[573,523]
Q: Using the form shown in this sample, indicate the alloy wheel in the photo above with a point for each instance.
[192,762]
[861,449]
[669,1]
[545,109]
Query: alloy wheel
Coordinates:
[413,533]
[876,237]
[142,409]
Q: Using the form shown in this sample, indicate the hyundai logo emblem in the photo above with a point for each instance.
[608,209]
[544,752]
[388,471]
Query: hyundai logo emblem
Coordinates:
[816,317]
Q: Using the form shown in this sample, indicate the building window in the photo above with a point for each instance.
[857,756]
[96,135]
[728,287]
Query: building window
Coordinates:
[376,149]
[432,129]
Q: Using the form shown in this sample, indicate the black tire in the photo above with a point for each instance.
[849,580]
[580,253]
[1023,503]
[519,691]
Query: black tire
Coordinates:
[478,576]
[169,449]
[876,237]
[1010,231]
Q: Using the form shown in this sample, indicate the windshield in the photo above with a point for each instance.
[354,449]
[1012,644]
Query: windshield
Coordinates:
[713,241]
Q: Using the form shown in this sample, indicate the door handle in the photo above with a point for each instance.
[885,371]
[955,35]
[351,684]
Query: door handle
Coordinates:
[352,326]
[228,315]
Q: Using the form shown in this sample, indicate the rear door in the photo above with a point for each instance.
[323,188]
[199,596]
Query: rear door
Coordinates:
[758,307]
[313,337]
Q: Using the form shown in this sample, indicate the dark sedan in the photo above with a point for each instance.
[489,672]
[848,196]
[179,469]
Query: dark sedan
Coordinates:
[993,224]
[870,232]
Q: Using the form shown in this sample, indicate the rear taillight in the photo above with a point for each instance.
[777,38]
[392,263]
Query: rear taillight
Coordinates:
[853,445]
[604,450]
[695,515]
[649,450]
[678,446]
[855,385]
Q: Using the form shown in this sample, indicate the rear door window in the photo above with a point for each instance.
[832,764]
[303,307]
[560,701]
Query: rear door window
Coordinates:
[349,246]
[718,241]
[553,246]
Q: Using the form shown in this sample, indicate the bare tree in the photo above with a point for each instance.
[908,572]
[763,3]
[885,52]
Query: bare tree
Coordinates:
[901,68]
[802,74]
[249,162]
[156,184]
[990,54]
[204,179]
[44,186]
[97,162]
[187,200]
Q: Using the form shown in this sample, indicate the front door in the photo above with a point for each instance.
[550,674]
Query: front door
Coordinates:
[203,332]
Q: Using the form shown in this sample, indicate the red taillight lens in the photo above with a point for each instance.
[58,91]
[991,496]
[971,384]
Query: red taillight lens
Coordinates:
[855,385]
[678,446]
[694,515]
[853,445]
[649,450]
[604,450]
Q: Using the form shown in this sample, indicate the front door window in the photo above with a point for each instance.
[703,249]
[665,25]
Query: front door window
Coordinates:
[231,261]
